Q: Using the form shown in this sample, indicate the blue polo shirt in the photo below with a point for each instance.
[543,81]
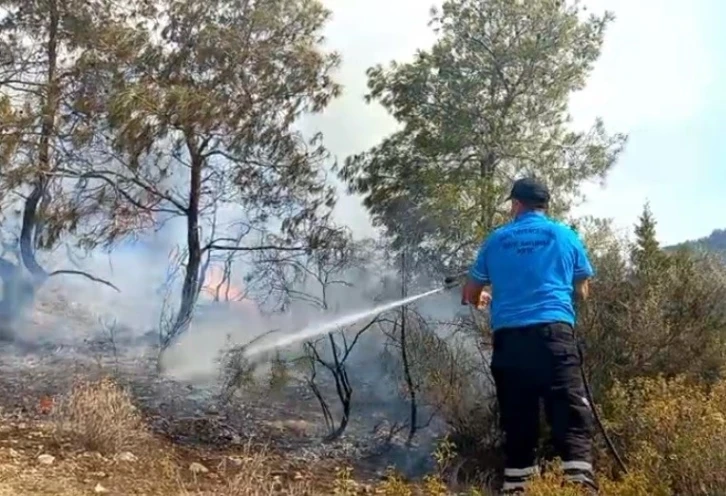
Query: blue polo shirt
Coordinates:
[531,264]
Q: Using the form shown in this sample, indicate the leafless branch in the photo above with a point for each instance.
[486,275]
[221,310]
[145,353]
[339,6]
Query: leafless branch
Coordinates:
[84,274]
[253,248]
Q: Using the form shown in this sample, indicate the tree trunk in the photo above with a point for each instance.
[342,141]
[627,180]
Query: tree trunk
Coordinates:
[190,287]
[40,185]
[343,388]
[27,231]
[404,359]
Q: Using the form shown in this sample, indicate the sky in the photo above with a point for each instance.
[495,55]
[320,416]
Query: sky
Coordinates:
[660,79]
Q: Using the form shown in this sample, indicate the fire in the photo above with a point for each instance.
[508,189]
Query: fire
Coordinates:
[45,405]
[215,285]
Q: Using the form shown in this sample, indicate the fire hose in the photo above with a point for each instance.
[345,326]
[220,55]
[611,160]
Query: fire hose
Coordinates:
[453,281]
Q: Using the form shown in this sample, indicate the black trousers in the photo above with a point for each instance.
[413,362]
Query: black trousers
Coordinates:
[534,363]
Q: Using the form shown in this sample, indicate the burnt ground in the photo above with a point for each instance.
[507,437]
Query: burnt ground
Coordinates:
[188,420]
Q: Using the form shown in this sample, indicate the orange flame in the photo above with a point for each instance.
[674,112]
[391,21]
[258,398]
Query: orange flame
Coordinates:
[45,405]
[215,284]
[217,288]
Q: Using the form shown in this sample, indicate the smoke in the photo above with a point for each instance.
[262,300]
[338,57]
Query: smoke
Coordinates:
[138,270]
[71,309]
[219,326]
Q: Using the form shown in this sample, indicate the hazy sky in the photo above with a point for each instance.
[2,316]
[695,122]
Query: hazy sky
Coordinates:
[661,78]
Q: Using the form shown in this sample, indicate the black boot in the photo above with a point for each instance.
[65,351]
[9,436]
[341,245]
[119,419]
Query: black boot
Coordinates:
[588,488]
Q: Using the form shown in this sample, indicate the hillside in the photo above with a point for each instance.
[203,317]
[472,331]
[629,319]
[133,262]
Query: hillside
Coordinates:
[715,242]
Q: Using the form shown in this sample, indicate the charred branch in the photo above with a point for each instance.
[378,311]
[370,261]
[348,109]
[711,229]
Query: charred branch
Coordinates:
[404,359]
[213,246]
[86,275]
[339,373]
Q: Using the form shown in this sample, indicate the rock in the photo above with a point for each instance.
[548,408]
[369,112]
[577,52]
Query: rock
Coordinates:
[46,459]
[99,489]
[126,456]
[198,468]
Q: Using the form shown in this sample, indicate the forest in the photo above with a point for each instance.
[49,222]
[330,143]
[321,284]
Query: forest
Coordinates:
[123,120]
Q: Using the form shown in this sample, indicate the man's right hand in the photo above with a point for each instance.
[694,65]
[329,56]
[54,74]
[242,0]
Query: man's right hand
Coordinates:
[474,294]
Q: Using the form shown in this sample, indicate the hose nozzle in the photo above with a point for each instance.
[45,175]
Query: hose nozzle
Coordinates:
[453,281]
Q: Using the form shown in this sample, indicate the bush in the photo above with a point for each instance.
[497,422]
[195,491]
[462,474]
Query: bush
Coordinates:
[453,377]
[654,313]
[101,416]
[673,432]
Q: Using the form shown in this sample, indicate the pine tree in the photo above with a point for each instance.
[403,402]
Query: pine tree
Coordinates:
[486,104]
[209,100]
[646,255]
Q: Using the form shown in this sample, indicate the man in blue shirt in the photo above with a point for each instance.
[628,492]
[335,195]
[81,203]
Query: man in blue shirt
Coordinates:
[530,270]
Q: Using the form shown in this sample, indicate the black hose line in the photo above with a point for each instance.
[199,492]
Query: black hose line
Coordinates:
[593,407]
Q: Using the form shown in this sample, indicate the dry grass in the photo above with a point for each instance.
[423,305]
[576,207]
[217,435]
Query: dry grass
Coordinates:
[257,475]
[102,416]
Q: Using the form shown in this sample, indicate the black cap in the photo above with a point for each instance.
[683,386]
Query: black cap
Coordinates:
[530,192]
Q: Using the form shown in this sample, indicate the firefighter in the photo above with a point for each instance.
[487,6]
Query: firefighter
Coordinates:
[530,270]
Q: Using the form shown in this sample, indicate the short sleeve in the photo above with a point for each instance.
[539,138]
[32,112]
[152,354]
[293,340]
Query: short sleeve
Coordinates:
[479,272]
[583,268]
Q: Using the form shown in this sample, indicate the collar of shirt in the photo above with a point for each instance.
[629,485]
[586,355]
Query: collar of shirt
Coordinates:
[528,215]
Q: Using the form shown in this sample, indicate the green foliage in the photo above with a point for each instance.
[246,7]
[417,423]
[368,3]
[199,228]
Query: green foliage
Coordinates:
[487,103]
[120,117]
[208,96]
[133,96]
[42,46]
[652,316]
[662,314]
[115,118]
[647,244]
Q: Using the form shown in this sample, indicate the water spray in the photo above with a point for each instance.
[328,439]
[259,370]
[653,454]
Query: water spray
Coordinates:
[321,328]
[269,341]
